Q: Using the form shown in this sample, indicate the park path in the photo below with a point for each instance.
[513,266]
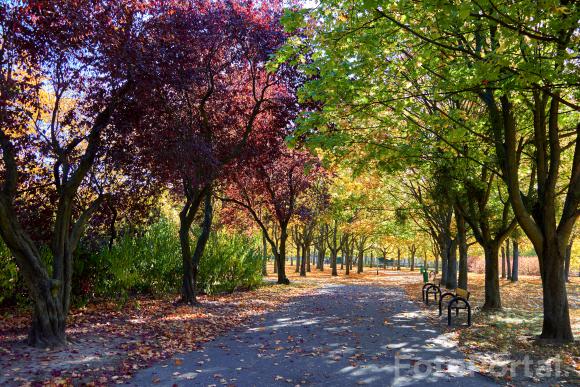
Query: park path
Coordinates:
[339,335]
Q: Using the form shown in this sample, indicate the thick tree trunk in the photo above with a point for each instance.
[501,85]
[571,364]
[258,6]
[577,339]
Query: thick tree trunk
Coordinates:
[462,244]
[360,262]
[309,256]
[556,324]
[492,294]
[48,316]
[48,322]
[444,264]
[516,260]
[452,265]
[333,262]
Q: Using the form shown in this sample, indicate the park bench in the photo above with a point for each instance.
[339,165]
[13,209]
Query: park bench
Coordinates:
[459,300]
[431,288]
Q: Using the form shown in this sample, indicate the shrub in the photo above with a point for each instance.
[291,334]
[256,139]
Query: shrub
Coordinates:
[147,264]
[8,275]
[231,261]
[151,263]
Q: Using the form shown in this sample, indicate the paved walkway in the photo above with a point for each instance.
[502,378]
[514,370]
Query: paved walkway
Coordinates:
[341,335]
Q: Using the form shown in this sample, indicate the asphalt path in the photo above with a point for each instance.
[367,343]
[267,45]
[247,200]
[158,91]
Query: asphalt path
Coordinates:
[339,335]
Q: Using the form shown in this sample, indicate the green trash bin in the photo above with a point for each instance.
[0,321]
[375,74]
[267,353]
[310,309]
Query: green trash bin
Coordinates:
[425,274]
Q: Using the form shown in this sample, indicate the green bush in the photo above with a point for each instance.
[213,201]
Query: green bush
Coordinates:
[149,263]
[8,274]
[231,261]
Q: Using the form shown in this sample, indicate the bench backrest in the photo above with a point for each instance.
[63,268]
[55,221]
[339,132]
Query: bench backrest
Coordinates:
[462,293]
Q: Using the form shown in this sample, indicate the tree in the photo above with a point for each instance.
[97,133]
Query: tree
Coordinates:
[274,187]
[335,243]
[511,60]
[83,56]
[216,104]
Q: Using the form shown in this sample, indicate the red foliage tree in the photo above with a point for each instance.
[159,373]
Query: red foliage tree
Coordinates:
[215,104]
[270,189]
[67,68]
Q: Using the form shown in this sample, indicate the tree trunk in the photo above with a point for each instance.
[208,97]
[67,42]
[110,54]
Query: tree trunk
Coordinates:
[202,239]
[333,262]
[556,324]
[492,294]
[444,264]
[187,288]
[516,260]
[281,258]
[186,217]
[48,319]
[398,258]
[360,262]
[321,254]
[308,255]
[566,263]
[303,260]
[297,268]
[452,265]
[508,259]
[264,255]
[502,262]
[347,258]
[462,244]
[351,256]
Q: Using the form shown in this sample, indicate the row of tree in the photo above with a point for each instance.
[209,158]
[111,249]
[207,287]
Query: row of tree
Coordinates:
[471,108]
[108,104]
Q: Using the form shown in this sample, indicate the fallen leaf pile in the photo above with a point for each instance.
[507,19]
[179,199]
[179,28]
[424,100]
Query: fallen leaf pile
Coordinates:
[110,343]
[495,338]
